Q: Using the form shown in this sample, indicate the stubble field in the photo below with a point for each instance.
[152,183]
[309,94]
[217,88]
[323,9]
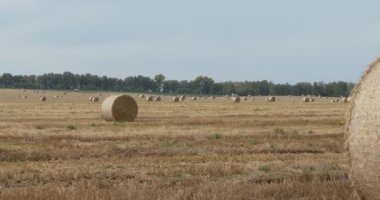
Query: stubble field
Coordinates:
[204,149]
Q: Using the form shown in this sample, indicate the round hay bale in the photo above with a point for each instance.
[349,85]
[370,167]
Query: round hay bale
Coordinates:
[90,98]
[236,99]
[119,108]
[344,100]
[245,98]
[306,100]
[157,98]
[95,99]
[194,98]
[182,98]
[150,98]
[43,99]
[175,99]
[363,134]
[24,97]
[213,97]
[271,99]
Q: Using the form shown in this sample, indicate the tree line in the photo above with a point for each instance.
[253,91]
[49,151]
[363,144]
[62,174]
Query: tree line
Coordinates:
[201,85]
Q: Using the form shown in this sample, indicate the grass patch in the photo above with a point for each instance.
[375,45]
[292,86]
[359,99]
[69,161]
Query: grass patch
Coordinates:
[119,123]
[39,127]
[253,142]
[279,131]
[265,168]
[217,136]
[272,146]
[71,127]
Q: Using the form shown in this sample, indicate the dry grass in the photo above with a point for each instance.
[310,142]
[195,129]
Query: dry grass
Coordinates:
[188,150]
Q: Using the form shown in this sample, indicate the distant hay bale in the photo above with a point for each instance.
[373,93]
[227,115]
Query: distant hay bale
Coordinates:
[194,98]
[236,99]
[95,99]
[157,98]
[312,100]
[306,100]
[182,98]
[150,98]
[119,108]
[43,99]
[271,99]
[90,98]
[24,97]
[175,99]
[245,98]
[344,100]
[363,134]
[213,97]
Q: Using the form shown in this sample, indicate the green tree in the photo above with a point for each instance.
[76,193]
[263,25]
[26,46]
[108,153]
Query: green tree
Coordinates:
[159,78]
[202,84]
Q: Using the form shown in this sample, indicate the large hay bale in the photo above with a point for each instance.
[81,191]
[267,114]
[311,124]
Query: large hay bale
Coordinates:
[175,99]
[150,98]
[95,99]
[344,100]
[119,108]
[157,98]
[271,99]
[363,134]
[43,99]
[194,98]
[236,99]
[182,98]
[306,99]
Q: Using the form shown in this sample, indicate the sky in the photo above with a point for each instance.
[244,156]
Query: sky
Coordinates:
[280,41]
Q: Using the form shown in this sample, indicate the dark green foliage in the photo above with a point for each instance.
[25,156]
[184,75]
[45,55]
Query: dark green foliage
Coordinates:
[202,85]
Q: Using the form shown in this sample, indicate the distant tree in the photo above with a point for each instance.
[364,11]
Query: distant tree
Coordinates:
[202,84]
[159,78]
[170,86]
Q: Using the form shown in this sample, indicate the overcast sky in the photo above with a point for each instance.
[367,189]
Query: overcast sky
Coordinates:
[276,40]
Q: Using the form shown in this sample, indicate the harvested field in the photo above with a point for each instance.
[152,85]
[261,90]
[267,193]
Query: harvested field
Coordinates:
[206,149]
